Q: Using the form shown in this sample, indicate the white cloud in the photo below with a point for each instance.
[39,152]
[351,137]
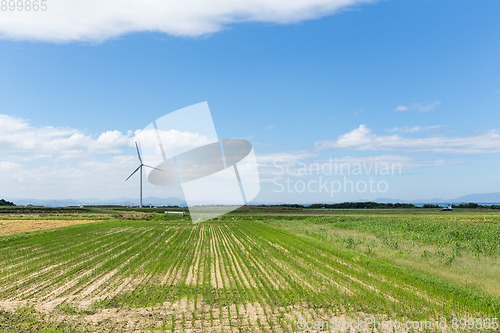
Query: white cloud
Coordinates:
[6,166]
[361,138]
[415,129]
[268,128]
[406,162]
[401,108]
[58,162]
[306,165]
[98,20]
[104,178]
[18,137]
[418,107]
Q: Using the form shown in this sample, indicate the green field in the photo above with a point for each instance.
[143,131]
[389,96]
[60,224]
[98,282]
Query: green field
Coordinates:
[141,271]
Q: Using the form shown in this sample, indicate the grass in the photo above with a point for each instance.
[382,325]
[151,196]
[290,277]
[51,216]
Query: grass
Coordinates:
[461,249]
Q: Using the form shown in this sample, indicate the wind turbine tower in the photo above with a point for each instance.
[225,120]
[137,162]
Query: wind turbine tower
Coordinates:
[140,168]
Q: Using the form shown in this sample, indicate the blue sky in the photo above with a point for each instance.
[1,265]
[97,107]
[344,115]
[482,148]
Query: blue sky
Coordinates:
[410,82]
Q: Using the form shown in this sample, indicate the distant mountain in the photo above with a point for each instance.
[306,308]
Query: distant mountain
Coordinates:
[480,197]
[93,201]
[388,200]
[476,197]
[417,201]
[46,203]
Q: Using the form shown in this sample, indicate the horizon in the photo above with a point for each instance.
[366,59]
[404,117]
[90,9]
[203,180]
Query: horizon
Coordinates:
[178,202]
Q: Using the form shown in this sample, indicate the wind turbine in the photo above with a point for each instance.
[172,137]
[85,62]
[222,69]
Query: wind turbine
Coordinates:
[140,168]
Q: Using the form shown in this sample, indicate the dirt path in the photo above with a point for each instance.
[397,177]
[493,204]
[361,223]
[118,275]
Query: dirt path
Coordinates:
[10,227]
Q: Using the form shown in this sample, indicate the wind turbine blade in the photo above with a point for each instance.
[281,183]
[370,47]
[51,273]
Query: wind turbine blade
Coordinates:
[133,172]
[152,167]
[138,154]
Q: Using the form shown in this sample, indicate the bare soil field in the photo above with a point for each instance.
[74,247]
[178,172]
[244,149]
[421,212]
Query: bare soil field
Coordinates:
[10,227]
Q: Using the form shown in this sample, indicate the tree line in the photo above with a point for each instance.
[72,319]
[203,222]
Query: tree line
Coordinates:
[4,202]
[376,205]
